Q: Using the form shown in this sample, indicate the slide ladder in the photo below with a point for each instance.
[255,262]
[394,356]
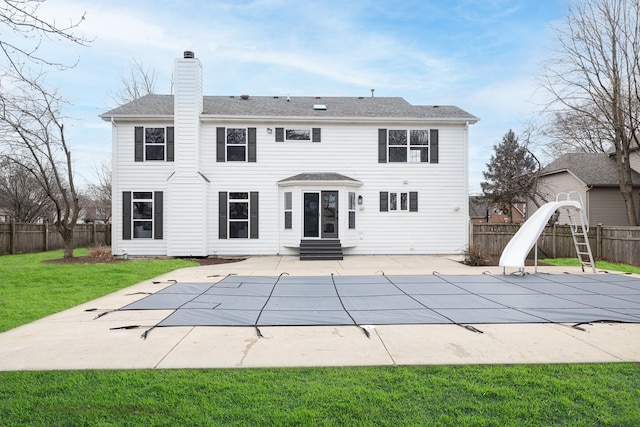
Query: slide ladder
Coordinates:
[579,229]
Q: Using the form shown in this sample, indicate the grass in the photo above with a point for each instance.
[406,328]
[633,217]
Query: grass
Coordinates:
[603,265]
[523,395]
[31,289]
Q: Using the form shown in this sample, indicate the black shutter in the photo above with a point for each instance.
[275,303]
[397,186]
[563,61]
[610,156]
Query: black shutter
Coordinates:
[252,145]
[126,215]
[158,206]
[315,135]
[139,144]
[382,146]
[222,215]
[253,215]
[221,139]
[384,201]
[413,201]
[279,134]
[433,142]
[170,144]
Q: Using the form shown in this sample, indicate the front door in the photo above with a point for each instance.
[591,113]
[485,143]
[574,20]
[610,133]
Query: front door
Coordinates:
[321,215]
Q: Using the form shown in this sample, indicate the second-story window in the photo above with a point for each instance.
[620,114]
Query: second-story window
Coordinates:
[236,144]
[154,144]
[408,145]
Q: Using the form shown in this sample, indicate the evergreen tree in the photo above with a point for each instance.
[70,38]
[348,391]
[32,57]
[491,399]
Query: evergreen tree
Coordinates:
[511,174]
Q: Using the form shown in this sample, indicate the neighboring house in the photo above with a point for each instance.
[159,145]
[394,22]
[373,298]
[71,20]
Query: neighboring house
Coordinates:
[4,216]
[594,178]
[239,175]
[481,212]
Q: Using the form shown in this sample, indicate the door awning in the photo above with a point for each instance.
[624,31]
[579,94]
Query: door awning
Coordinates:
[322,178]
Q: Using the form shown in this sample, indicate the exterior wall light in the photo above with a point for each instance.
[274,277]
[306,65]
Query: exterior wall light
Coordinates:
[359,200]
[269,130]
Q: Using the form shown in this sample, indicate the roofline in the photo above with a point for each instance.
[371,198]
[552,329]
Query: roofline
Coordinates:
[567,171]
[306,119]
[309,182]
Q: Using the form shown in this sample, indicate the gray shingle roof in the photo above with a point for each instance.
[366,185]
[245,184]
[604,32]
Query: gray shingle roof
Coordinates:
[477,207]
[319,176]
[282,106]
[594,169]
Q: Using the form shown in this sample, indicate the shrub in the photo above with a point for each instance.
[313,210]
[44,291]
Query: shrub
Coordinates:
[473,256]
[100,252]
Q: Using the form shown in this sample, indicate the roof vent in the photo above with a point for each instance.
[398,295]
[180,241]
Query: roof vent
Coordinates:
[189,54]
[319,107]
[244,96]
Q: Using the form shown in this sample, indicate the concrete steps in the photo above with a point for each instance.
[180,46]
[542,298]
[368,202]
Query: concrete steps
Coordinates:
[320,250]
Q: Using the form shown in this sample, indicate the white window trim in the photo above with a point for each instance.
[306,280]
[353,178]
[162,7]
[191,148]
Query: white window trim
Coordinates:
[230,220]
[134,220]
[398,195]
[146,144]
[309,130]
[245,144]
[410,154]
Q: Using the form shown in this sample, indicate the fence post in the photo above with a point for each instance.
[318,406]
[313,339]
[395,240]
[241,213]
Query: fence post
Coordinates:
[46,236]
[93,235]
[554,242]
[599,241]
[12,238]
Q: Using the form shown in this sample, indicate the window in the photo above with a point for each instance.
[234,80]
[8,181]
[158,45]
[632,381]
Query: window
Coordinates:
[352,210]
[397,146]
[236,144]
[238,215]
[297,135]
[154,144]
[288,215]
[142,215]
[398,201]
[408,146]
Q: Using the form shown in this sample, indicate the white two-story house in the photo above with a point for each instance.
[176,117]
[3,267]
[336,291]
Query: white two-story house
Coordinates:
[197,175]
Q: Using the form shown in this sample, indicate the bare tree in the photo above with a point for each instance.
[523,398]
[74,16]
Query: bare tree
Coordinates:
[99,193]
[594,79]
[21,196]
[140,81]
[31,127]
[571,131]
[20,17]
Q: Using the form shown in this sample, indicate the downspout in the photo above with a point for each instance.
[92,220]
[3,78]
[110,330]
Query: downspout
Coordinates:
[114,184]
[466,181]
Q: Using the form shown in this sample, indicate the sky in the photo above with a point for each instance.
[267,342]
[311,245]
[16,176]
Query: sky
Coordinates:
[484,56]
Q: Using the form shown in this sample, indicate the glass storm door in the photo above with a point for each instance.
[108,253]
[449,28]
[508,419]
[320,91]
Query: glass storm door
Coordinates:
[329,215]
[311,215]
[321,215]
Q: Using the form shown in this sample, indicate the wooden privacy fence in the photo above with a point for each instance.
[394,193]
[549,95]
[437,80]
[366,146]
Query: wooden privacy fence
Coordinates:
[19,238]
[617,244]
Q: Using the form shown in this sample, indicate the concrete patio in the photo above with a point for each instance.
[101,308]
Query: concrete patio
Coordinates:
[76,339]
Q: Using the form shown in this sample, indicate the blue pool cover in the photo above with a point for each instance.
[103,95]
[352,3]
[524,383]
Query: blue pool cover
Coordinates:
[386,300]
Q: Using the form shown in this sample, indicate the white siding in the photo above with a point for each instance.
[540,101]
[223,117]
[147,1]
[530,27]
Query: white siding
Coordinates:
[130,175]
[562,182]
[186,208]
[440,226]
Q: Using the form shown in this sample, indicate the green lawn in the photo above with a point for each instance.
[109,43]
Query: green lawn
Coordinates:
[529,395]
[31,289]
[602,265]
[522,395]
